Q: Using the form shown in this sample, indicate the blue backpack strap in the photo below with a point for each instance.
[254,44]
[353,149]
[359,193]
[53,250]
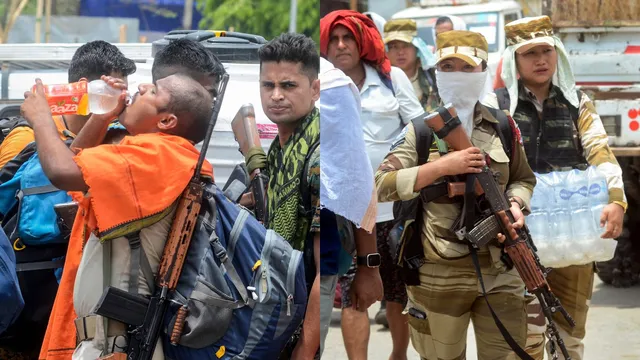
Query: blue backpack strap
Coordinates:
[387,82]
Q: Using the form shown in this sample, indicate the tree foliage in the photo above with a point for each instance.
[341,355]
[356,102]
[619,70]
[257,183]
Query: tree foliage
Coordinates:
[9,12]
[268,18]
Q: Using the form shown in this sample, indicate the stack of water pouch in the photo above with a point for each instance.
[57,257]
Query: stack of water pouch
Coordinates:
[244,287]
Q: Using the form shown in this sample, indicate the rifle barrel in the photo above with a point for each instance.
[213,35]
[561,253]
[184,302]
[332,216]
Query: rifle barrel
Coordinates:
[217,104]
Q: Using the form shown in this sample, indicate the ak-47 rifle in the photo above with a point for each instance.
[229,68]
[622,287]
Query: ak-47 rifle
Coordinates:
[497,218]
[246,134]
[144,316]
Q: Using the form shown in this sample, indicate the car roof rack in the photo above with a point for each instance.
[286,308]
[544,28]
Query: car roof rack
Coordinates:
[227,46]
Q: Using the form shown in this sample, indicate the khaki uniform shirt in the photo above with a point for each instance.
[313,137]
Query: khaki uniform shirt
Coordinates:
[396,178]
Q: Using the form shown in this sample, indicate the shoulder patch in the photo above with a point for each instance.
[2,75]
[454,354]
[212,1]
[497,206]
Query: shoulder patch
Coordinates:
[399,140]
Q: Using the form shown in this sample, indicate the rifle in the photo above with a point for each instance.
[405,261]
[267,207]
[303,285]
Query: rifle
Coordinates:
[246,134]
[518,246]
[145,316]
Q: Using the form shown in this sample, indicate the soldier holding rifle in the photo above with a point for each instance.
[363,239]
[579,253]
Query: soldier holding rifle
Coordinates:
[447,294]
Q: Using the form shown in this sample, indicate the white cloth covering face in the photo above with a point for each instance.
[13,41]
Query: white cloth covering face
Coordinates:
[346,177]
[563,77]
[463,90]
[459,24]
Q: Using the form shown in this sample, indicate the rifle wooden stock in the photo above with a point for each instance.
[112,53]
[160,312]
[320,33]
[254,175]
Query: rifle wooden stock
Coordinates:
[246,133]
[458,189]
[522,257]
[245,129]
[456,136]
[182,229]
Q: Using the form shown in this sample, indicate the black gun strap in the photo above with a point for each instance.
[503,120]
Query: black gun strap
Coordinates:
[503,330]
[450,122]
[468,213]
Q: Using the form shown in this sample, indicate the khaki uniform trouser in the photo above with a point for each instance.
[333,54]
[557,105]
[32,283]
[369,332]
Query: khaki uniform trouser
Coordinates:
[573,286]
[451,297]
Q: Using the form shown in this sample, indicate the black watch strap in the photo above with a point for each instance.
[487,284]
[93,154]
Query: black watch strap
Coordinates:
[370,260]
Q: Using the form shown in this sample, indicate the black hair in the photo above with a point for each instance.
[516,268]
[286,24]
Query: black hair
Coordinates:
[191,103]
[191,56]
[97,58]
[443,20]
[295,48]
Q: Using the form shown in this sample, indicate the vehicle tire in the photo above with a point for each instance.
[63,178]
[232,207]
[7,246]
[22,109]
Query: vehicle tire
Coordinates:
[624,269]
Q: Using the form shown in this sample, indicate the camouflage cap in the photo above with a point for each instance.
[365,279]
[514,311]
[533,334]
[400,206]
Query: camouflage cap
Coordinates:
[466,45]
[529,32]
[400,29]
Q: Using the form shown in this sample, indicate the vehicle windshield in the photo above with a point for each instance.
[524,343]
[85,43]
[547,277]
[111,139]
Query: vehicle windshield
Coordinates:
[485,23]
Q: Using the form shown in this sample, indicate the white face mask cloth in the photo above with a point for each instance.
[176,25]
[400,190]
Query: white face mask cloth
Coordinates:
[463,90]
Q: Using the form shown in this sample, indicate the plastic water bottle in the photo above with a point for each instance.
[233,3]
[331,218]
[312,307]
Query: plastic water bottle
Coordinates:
[574,191]
[81,98]
[604,249]
[542,194]
[598,194]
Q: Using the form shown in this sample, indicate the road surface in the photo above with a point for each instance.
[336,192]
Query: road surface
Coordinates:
[613,329]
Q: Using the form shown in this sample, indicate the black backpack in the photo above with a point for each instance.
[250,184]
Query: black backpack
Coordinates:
[406,233]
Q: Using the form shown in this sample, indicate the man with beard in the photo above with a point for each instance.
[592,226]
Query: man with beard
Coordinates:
[448,295]
[289,88]
[352,43]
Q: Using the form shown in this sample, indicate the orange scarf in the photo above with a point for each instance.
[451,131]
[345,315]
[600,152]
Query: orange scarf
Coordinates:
[130,185]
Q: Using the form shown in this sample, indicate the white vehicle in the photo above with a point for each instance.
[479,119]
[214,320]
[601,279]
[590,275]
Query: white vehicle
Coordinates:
[22,63]
[487,18]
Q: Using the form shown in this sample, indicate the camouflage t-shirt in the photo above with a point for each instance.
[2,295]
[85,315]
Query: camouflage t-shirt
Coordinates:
[285,200]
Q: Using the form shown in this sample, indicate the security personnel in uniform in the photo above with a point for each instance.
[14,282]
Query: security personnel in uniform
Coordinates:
[448,295]
[561,130]
[410,53]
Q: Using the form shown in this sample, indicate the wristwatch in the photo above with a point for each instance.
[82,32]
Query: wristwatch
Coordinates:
[370,260]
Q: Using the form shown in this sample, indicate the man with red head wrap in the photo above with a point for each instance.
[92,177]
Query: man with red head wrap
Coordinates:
[365,33]
[352,43]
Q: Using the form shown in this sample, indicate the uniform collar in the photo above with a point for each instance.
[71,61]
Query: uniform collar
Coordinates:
[371,78]
[482,113]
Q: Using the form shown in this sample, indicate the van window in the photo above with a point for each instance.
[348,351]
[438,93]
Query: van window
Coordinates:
[485,23]
[511,17]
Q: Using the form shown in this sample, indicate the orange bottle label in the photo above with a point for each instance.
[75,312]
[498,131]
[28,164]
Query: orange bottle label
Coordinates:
[67,99]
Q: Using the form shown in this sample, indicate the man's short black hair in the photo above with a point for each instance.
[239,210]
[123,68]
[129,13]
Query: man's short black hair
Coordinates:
[190,55]
[295,48]
[191,103]
[97,58]
[443,20]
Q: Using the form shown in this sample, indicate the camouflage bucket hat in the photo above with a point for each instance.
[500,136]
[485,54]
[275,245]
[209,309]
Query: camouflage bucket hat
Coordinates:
[400,29]
[529,32]
[469,46]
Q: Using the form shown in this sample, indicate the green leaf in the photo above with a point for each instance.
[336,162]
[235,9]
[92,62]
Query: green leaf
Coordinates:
[268,18]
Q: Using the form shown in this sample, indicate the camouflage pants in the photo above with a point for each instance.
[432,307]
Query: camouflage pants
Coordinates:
[451,297]
[573,286]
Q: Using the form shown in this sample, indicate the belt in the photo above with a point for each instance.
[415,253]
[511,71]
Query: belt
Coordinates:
[86,328]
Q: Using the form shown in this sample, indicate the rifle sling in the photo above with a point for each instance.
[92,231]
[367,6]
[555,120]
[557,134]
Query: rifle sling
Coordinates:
[434,191]
[468,213]
[505,333]
[450,123]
